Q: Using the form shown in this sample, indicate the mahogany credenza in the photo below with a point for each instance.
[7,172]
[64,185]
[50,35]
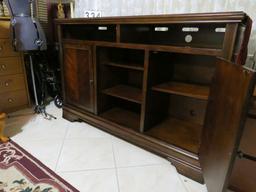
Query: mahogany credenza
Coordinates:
[174,85]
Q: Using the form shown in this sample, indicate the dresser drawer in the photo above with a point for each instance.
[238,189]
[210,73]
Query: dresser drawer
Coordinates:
[10,65]
[6,49]
[11,83]
[13,100]
[5,29]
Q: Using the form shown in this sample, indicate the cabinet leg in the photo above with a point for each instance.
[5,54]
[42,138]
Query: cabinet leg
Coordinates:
[2,125]
[70,117]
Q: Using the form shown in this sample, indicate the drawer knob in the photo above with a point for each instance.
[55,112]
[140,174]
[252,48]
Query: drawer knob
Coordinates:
[10,100]
[6,84]
[3,67]
[1,48]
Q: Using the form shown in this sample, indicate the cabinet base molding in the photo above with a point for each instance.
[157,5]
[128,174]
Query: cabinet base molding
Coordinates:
[185,162]
[187,170]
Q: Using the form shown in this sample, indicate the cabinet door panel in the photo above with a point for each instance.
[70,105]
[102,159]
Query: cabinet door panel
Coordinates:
[230,93]
[78,76]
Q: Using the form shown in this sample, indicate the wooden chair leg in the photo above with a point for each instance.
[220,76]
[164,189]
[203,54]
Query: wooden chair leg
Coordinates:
[2,126]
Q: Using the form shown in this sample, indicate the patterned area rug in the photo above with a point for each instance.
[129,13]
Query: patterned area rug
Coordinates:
[21,172]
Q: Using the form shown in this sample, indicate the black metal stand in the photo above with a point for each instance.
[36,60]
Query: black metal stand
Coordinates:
[39,108]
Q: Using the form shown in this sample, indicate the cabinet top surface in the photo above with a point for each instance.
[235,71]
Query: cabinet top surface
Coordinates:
[218,17]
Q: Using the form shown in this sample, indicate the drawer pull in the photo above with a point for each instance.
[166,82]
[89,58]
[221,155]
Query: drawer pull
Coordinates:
[10,100]
[3,67]
[6,84]
[1,48]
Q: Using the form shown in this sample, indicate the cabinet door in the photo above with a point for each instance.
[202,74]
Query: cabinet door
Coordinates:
[230,93]
[78,76]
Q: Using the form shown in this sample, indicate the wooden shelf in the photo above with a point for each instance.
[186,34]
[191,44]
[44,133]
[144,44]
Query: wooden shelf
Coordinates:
[125,92]
[123,117]
[183,134]
[184,89]
[126,66]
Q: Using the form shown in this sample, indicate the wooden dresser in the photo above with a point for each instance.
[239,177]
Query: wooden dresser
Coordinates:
[159,82]
[13,83]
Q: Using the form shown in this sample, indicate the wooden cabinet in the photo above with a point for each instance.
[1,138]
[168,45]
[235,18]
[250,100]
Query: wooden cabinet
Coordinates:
[13,83]
[78,76]
[158,82]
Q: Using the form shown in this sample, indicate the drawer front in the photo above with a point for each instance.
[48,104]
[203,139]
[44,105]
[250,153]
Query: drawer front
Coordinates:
[12,83]
[13,100]
[4,29]
[10,66]
[6,49]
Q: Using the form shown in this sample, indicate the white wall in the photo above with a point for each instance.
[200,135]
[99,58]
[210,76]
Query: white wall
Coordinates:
[149,7]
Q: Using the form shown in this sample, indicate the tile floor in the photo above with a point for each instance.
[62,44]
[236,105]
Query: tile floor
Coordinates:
[92,160]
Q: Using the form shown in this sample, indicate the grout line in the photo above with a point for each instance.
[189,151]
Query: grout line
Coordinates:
[117,179]
[61,148]
[80,138]
[87,170]
[138,166]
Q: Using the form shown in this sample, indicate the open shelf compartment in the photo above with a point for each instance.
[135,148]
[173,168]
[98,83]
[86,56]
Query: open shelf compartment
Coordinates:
[125,58]
[133,66]
[177,98]
[129,93]
[200,35]
[123,117]
[120,85]
[90,32]
[120,111]
[178,132]
[184,89]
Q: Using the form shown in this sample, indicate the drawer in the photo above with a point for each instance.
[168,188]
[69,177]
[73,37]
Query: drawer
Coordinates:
[13,100]
[11,83]
[6,49]
[10,65]
[4,29]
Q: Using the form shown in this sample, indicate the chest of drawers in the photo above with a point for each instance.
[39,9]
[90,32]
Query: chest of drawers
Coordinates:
[13,83]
